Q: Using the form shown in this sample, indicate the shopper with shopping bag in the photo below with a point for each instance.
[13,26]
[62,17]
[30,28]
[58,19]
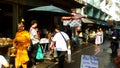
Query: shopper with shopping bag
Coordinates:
[62,43]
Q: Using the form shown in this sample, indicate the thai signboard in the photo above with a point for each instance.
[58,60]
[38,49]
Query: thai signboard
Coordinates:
[88,61]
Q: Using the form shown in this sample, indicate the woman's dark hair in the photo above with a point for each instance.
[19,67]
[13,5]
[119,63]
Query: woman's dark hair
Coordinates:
[33,22]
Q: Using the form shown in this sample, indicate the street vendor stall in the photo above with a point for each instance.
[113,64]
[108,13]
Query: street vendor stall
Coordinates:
[5,43]
[44,43]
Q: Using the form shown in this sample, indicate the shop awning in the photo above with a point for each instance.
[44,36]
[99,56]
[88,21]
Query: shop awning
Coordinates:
[103,23]
[86,20]
[117,27]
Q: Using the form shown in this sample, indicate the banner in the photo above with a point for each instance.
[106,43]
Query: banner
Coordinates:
[88,61]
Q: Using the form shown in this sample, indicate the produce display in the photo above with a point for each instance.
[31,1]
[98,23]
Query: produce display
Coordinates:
[5,41]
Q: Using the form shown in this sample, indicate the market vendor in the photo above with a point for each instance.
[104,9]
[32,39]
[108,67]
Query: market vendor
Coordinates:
[21,43]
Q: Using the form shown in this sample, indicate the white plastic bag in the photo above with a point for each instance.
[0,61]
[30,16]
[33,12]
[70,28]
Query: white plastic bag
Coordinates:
[69,55]
[55,52]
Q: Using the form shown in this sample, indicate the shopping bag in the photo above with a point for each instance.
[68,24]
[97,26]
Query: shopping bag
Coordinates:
[69,55]
[39,54]
[55,52]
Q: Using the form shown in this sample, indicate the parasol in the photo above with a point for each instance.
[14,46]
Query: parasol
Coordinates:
[50,9]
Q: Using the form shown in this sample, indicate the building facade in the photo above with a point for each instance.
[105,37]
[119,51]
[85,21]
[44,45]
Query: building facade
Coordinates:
[12,11]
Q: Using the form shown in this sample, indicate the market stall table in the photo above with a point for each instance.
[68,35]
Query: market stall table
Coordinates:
[44,43]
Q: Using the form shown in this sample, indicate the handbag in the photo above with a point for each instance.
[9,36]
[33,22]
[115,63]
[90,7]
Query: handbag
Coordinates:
[39,54]
[69,56]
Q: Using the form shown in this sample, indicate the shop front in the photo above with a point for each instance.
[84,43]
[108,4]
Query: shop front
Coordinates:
[5,20]
[12,11]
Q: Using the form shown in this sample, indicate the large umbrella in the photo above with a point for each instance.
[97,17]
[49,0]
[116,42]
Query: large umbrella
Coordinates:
[50,9]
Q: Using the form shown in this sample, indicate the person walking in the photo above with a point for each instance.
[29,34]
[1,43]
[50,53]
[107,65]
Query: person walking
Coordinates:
[62,44]
[21,43]
[97,41]
[115,43]
[102,36]
[35,41]
[86,36]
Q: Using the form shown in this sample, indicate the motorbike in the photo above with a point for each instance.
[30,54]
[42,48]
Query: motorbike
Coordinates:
[114,46]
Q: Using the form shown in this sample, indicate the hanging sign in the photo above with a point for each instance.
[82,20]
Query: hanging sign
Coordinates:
[88,61]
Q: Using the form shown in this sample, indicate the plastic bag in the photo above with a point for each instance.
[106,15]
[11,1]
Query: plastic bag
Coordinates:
[69,55]
[39,54]
[55,52]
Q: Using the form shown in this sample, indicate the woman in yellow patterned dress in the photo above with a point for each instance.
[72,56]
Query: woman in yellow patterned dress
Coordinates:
[21,43]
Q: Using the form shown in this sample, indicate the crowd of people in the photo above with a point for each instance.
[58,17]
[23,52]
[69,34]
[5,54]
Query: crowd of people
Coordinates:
[98,36]
[27,42]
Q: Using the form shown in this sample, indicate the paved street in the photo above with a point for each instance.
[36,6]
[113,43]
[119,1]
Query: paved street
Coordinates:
[104,57]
